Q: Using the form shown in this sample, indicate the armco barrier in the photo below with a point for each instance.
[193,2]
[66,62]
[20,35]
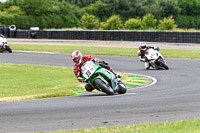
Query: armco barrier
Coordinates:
[111,35]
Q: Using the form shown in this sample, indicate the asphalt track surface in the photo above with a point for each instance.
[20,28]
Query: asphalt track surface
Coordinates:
[175,96]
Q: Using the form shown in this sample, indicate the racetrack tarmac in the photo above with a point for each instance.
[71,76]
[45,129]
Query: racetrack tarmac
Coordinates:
[175,96]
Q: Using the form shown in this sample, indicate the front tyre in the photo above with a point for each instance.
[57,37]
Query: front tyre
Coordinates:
[122,88]
[163,64]
[104,87]
[8,49]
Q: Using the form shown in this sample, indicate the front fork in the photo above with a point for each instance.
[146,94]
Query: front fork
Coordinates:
[115,83]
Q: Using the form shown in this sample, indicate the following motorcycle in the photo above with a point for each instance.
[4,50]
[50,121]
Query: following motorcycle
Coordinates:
[4,47]
[102,79]
[156,60]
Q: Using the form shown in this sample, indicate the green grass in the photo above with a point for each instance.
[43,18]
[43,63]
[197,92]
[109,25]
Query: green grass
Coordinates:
[23,82]
[185,126]
[19,82]
[181,53]
[68,49]
[103,50]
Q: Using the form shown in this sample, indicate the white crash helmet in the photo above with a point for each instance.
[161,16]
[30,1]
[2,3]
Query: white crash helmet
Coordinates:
[143,46]
[76,57]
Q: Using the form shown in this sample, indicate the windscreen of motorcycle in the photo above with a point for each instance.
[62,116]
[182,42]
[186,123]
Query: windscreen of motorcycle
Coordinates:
[88,69]
[151,54]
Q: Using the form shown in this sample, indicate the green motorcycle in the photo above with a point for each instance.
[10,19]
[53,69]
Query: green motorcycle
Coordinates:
[102,79]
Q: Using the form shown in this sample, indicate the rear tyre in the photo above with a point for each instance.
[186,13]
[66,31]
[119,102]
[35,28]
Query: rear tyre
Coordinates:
[8,49]
[122,88]
[104,87]
[164,65]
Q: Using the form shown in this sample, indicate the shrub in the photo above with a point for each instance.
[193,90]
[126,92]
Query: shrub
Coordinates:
[167,24]
[133,24]
[89,22]
[148,22]
[113,23]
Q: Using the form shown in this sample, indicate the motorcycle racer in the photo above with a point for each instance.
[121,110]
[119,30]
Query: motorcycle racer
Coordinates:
[4,45]
[79,60]
[142,51]
[3,41]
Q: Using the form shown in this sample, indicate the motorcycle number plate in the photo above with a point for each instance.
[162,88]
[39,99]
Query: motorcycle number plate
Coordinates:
[88,72]
[152,55]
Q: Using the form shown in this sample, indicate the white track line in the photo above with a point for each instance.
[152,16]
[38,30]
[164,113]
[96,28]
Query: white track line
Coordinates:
[131,93]
[154,81]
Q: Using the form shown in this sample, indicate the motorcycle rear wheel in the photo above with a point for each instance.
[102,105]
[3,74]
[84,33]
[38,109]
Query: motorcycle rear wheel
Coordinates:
[104,87]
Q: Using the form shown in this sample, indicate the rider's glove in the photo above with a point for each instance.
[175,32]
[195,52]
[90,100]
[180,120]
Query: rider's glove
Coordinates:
[103,62]
[155,48]
[95,60]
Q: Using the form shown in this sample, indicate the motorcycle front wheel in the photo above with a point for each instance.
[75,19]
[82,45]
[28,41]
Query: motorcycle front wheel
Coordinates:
[104,87]
[163,64]
[122,88]
[8,49]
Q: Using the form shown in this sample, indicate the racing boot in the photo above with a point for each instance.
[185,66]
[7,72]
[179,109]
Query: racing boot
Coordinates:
[147,65]
[89,88]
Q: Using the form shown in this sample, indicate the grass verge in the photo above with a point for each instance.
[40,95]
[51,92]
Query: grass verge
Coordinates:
[185,126]
[23,82]
[103,50]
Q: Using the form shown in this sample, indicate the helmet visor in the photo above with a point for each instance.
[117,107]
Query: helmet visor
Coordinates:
[76,60]
[143,47]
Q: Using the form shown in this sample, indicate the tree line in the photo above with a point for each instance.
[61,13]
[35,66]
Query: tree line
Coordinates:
[101,14]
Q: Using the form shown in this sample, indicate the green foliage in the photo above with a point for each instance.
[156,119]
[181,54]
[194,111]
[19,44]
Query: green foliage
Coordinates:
[169,8]
[113,23]
[82,3]
[36,7]
[67,13]
[167,24]
[89,22]
[14,10]
[148,22]
[98,9]
[44,14]
[133,24]
[125,8]
[189,7]
[188,21]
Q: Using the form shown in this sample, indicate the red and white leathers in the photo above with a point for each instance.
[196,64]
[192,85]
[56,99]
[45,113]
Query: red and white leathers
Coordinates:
[142,57]
[77,66]
[3,41]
